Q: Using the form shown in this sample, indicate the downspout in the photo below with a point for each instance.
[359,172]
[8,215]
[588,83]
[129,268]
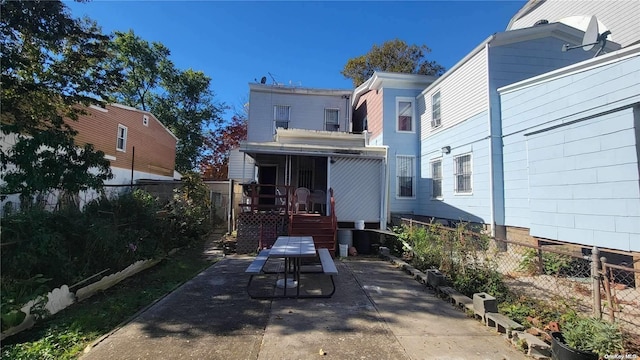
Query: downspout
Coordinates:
[492,215]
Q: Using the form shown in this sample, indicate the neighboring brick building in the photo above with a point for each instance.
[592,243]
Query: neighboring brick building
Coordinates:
[129,137]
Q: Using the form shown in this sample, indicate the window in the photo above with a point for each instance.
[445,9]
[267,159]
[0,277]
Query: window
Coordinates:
[462,173]
[436,179]
[435,110]
[331,119]
[404,109]
[281,116]
[405,172]
[121,143]
[145,120]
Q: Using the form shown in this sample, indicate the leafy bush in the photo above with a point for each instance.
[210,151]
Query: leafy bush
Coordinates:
[481,279]
[552,263]
[67,245]
[595,335]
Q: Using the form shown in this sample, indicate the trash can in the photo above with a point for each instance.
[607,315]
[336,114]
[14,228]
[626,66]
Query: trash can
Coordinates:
[345,237]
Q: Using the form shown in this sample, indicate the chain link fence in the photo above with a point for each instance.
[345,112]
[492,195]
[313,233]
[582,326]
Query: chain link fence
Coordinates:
[549,274]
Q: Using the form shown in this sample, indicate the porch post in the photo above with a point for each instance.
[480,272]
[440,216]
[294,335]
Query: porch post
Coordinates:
[244,165]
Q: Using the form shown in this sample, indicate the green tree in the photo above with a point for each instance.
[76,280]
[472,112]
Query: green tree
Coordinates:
[187,107]
[182,100]
[143,64]
[51,64]
[394,56]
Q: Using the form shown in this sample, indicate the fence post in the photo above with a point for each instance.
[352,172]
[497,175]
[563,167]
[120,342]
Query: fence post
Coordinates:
[595,276]
[607,289]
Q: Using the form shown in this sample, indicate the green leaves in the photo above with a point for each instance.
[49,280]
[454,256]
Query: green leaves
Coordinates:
[393,56]
[181,99]
[595,335]
[51,63]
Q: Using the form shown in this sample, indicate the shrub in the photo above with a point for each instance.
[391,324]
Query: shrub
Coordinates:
[552,263]
[595,335]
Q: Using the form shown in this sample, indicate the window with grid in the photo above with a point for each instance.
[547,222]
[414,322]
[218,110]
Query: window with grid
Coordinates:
[281,115]
[121,143]
[405,115]
[331,119]
[436,179]
[462,174]
[406,178]
[435,110]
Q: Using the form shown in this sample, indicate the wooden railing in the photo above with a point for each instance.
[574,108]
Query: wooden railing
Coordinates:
[260,197]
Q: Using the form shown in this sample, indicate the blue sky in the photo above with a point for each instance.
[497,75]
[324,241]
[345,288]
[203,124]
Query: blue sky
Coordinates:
[302,43]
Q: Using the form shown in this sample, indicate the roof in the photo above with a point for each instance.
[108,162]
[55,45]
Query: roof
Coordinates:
[527,8]
[312,150]
[312,142]
[557,30]
[381,79]
[298,90]
[624,53]
[125,107]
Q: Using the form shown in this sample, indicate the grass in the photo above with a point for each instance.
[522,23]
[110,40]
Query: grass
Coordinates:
[66,334]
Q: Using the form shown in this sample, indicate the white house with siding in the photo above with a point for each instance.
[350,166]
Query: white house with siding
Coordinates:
[620,16]
[461,148]
[571,149]
[301,137]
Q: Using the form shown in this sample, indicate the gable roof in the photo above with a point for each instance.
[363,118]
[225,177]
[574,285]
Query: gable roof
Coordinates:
[381,79]
[129,108]
[556,30]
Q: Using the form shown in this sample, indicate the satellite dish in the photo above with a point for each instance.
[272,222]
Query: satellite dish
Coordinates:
[590,35]
[263,80]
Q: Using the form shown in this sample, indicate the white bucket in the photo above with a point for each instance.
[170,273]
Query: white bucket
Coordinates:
[344,250]
[359,224]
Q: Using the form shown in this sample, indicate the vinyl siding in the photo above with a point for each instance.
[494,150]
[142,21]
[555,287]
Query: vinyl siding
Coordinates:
[470,136]
[154,145]
[577,182]
[306,112]
[357,186]
[370,107]
[463,94]
[621,17]
[236,159]
[400,144]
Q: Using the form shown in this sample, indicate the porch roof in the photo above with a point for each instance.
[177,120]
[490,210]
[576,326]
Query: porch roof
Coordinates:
[277,148]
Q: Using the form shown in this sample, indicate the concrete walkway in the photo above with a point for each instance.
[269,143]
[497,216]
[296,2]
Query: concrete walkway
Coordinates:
[378,312]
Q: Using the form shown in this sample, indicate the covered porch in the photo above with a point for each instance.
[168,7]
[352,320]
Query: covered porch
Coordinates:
[317,161]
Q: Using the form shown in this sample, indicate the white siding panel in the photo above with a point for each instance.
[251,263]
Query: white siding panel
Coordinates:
[621,17]
[236,159]
[307,112]
[357,187]
[463,94]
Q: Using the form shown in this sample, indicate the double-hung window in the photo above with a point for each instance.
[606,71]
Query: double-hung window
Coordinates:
[121,140]
[404,115]
[435,110]
[462,174]
[331,119]
[436,179]
[281,114]
[406,176]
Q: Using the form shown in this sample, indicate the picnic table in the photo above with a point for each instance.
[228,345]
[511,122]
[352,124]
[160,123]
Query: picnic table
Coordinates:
[292,249]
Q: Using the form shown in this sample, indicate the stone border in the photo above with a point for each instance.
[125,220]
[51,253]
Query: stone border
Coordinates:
[536,348]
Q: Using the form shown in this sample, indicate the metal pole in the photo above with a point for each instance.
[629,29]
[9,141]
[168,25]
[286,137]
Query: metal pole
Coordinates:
[133,157]
[595,275]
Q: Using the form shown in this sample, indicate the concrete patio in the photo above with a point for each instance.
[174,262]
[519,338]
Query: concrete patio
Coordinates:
[378,312]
